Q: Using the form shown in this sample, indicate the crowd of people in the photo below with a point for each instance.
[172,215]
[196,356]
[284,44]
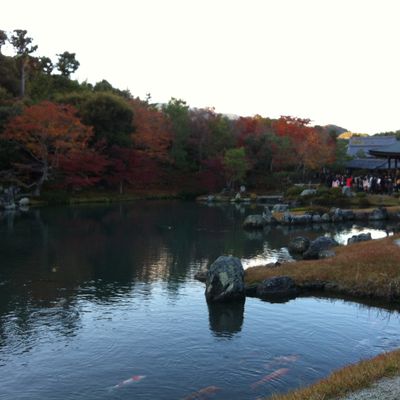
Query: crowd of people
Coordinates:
[372,183]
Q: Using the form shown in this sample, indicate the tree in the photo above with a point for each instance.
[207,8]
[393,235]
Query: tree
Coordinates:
[122,167]
[178,113]
[23,46]
[221,138]
[67,63]
[3,39]
[46,65]
[111,117]
[9,75]
[312,148]
[152,132]
[235,166]
[82,168]
[45,132]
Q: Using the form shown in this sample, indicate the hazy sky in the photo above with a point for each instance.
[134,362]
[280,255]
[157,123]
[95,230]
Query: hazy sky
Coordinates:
[333,61]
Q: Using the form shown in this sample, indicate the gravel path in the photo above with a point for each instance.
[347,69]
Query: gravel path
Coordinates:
[386,389]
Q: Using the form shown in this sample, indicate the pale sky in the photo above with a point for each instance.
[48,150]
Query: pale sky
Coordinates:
[333,61]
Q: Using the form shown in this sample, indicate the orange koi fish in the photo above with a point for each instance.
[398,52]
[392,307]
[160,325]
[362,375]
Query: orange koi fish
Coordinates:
[203,393]
[282,360]
[132,379]
[270,377]
[287,359]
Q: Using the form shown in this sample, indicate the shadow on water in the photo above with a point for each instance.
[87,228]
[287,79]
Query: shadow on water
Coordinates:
[226,319]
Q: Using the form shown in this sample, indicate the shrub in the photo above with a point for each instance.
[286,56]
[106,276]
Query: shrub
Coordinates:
[294,191]
[361,195]
[363,202]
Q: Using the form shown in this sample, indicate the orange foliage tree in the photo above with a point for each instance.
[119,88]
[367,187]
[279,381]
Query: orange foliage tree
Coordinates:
[311,149]
[45,132]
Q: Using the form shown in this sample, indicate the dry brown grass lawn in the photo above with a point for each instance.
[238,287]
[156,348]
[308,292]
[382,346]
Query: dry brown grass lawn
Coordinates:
[348,379]
[369,269]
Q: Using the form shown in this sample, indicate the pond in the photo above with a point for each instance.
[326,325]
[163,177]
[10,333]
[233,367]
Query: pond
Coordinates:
[99,302]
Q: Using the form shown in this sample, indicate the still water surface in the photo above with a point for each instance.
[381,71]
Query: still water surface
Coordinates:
[93,295]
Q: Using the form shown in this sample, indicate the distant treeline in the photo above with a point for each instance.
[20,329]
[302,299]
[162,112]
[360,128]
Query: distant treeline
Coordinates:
[58,133]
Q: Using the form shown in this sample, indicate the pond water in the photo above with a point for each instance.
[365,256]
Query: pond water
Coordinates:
[91,296]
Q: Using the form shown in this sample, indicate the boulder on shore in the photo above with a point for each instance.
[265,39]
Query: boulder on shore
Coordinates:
[378,214]
[326,254]
[225,280]
[308,192]
[326,217]
[277,287]
[268,217]
[317,245]
[24,202]
[299,245]
[280,207]
[362,237]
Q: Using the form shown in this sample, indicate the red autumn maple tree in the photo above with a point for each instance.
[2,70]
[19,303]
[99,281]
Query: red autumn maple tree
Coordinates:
[153,134]
[82,168]
[45,132]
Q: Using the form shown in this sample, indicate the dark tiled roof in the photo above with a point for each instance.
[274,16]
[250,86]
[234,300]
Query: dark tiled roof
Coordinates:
[363,144]
[393,150]
[368,163]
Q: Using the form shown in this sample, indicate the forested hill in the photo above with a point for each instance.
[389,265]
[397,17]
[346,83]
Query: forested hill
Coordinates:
[56,132]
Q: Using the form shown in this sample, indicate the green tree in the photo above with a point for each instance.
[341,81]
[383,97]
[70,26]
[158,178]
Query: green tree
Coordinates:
[221,138]
[110,115]
[235,166]
[341,156]
[178,114]
[46,65]
[3,39]
[23,47]
[9,77]
[67,63]
[103,86]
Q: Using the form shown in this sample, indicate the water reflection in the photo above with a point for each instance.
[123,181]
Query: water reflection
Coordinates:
[226,319]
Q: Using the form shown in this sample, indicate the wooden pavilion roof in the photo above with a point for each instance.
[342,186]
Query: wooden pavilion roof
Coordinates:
[392,151]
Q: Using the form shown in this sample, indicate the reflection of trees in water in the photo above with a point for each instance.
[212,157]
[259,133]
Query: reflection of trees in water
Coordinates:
[24,317]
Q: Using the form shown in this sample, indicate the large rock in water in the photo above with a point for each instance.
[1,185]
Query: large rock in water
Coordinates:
[225,280]
[299,245]
[317,245]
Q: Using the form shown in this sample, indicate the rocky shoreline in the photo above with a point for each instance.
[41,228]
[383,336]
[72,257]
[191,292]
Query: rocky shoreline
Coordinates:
[278,217]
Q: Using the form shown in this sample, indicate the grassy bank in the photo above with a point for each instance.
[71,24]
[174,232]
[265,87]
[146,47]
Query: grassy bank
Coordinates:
[348,379]
[366,269]
[62,197]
